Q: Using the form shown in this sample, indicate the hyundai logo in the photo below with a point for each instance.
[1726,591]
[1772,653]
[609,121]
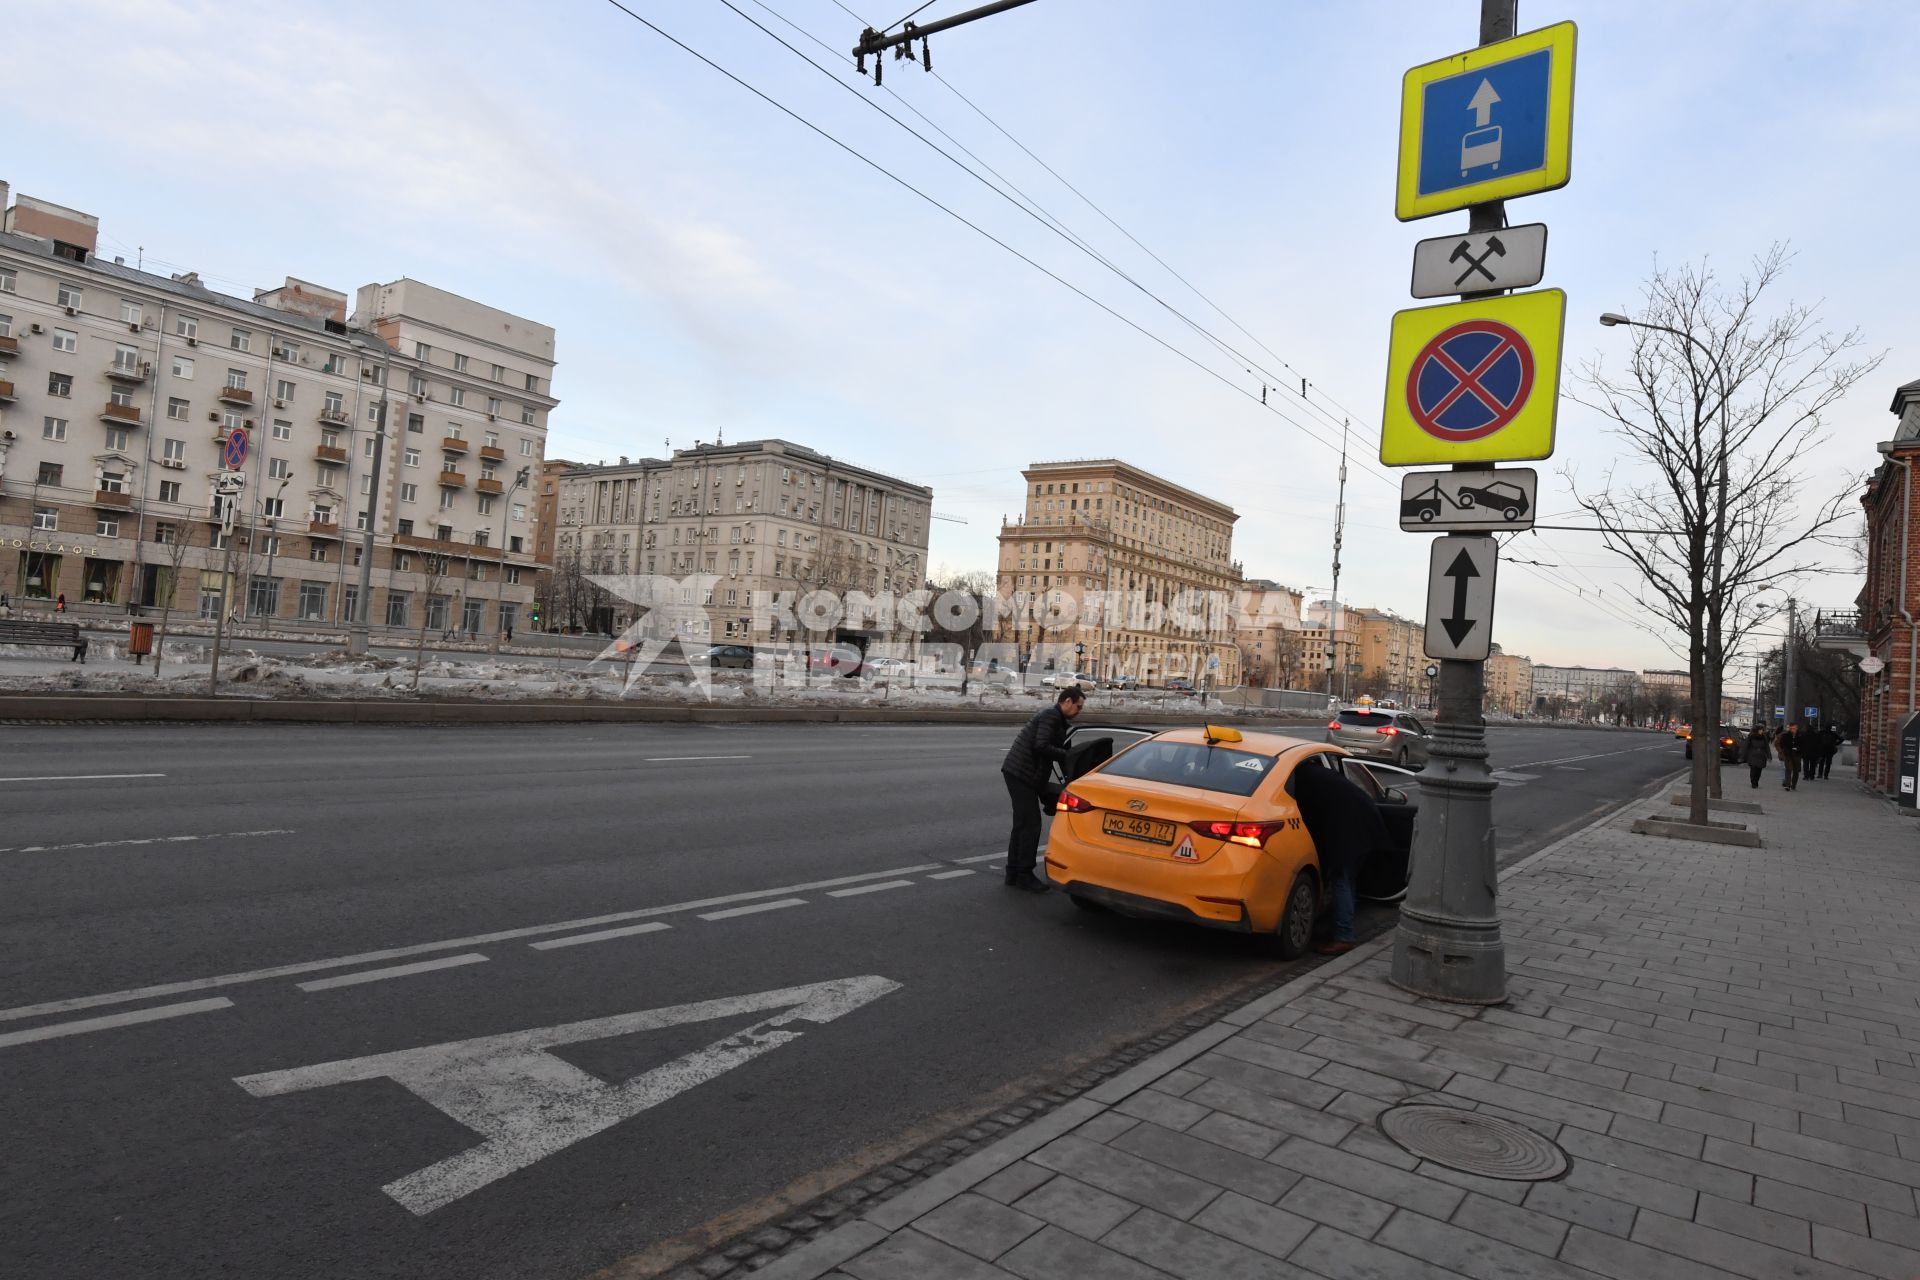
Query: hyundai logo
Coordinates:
[1138,806]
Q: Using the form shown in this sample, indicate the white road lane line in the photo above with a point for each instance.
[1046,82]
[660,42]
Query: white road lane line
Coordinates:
[949,875]
[450,944]
[1597,755]
[667,759]
[114,844]
[985,857]
[859,889]
[731,912]
[83,777]
[80,1026]
[602,936]
[395,971]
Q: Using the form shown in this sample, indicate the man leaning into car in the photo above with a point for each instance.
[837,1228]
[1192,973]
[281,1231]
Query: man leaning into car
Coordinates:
[1040,742]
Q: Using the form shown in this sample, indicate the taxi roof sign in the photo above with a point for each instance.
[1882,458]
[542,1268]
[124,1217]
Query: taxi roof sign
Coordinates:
[1487,124]
[1475,381]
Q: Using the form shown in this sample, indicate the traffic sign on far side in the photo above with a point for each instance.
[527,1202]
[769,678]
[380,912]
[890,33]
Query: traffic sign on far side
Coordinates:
[1468,501]
[1460,598]
[1480,261]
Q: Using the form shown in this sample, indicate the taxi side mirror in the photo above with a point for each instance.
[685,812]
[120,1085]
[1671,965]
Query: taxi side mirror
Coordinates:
[1396,796]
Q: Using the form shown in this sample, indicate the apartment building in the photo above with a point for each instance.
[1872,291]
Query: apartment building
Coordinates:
[1274,650]
[767,521]
[1391,652]
[1126,572]
[122,391]
[1333,638]
[1509,687]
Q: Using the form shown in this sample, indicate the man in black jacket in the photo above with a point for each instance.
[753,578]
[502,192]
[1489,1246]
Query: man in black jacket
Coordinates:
[1346,828]
[1040,742]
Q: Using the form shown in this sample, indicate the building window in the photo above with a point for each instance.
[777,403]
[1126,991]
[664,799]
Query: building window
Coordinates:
[122,396]
[279,469]
[50,474]
[169,491]
[333,404]
[416,385]
[178,409]
[185,326]
[458,395]
[231,422]
[46,518]
[362,521]
[283,390]
[421,351]
[117,439]
[533,382]
[520,511]
[313,601]
[283,430]
[416,423]
[406,527]
[106,526]
[317,552]
[53,429]
[66,340]
[165,533]
[174,450]
[288,351]
[397,602]
[8,282]
[367,446]
[69,295]
[410,458]
[486,504]
[237,379]
[526,414]
[366,485]
[263,594]
[493,405]
[446,499]
[273,508]
[526,448]
[60,384]
[327,477]
[183,368]
[409,492]
[242,340]
[459,364]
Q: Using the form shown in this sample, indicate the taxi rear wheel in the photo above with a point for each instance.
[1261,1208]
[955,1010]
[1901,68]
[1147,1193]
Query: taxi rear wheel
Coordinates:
[1296,922]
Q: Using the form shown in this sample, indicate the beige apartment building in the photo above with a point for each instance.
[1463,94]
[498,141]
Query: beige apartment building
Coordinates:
[1126,573]
[1391,653]
[121,391]
[763,520]
[1509,683]
[1274,649]
[1333,640]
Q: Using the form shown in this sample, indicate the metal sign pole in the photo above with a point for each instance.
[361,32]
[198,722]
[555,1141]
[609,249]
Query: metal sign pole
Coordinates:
[1448,945]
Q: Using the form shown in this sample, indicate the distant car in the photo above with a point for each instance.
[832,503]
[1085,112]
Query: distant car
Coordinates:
[1066,679]
[1124,682]
[1381,734]
[1730,745]
[836,659]
[1179,684]
[1508,499]
[726,655]
[882,668]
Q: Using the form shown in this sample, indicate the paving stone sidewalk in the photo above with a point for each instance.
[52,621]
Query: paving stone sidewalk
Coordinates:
[1724,1041]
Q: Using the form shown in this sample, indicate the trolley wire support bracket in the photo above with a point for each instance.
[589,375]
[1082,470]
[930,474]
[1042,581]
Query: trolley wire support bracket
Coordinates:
[877,42]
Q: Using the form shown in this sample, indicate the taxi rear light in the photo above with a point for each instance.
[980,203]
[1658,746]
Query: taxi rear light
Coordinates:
[1071,803]
[1390,730]
[1252,834]
[1333,724]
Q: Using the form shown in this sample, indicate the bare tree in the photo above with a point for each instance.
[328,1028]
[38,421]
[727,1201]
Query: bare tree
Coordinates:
[180,536]
[1721,408]
[433,570]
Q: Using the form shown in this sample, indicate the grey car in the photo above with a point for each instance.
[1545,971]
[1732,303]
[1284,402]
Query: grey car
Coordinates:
[1380,734]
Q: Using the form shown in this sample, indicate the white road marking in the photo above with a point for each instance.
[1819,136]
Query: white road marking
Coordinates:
[1509,776]
[394,971]
[985,857]
[80,1026]
[528,1104]
[949,875]
[1568,768]
[665,759]
[604,934]
[112,844]
[84,777]
[859,889]
[450,944]
[731,912]
[1596,755]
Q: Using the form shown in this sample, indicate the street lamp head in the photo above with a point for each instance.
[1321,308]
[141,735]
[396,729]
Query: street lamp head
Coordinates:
[1612,318]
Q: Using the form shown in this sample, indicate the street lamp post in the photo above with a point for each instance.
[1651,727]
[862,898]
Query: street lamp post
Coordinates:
[362,605]
[1710,771]
[519,483]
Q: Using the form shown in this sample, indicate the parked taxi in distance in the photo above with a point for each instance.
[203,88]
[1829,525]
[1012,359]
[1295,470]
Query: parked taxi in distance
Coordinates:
[1198,825]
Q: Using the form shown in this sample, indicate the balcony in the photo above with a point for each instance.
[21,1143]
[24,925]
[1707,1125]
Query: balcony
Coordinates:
[121,414]
[335,417]
[236,395]
[489,486]
[328,453]
[454,444]
[452,480]
[134,373]
[1840,630]
[492,453]
[9,348]
[6,391]
[112,500]
[323,529]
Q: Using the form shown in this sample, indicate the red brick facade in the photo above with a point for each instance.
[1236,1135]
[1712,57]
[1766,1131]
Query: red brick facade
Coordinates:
[1889,618]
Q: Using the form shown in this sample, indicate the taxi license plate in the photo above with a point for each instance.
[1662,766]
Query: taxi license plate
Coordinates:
[1127,828]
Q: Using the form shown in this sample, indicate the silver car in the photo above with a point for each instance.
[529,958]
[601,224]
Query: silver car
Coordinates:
[1380,734]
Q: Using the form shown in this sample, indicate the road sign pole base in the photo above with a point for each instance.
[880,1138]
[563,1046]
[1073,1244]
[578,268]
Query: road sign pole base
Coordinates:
[1448,945]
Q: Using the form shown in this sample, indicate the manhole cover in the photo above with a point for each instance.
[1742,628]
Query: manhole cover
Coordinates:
[1473,1143]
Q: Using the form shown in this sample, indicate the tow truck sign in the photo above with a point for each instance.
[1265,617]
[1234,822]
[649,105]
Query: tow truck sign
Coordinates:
[1468,501]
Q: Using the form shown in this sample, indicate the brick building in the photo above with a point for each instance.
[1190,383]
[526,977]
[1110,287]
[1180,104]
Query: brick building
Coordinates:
[1888,626]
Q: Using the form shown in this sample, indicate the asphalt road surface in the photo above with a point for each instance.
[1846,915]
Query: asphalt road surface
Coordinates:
[524,1001]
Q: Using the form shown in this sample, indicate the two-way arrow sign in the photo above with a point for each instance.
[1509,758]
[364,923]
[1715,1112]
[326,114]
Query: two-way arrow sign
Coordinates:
[1460,598]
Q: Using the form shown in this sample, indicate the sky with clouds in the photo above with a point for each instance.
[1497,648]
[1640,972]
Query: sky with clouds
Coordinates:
[713,266]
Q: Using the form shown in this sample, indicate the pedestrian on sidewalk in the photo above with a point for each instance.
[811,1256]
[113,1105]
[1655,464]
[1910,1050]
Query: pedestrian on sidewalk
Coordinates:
[1346,829]
[1829,740]
[1788,745]
[1756,754]
[1029,762]
[60,603]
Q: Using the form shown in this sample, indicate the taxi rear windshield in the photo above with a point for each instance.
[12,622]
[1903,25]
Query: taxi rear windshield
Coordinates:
[1363,717]
[1188,764]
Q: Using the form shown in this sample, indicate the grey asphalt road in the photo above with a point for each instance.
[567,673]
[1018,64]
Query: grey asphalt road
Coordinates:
[179,907]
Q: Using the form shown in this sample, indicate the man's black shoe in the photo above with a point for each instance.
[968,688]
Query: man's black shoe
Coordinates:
[1030,882]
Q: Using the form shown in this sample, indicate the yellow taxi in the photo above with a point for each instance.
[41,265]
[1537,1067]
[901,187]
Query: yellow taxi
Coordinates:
[1197,825]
